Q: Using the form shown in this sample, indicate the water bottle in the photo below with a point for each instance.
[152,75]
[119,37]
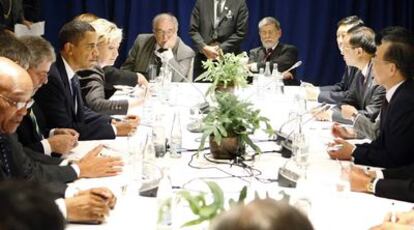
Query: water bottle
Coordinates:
[164,202]
[158,136]
[278,80]
[260,82]
[267,72]
[176,136]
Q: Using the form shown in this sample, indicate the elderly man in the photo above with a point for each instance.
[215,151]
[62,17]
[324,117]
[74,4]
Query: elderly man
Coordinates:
[15,97]
[162,45]
[61,100]
[273,51]
[393,69]
[217,25]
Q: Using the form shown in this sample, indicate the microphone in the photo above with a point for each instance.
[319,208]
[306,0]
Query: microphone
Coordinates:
[294,66]
[194,127]
[284,140]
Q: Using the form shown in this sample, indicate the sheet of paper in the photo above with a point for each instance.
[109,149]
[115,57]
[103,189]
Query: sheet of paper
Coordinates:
[36,29]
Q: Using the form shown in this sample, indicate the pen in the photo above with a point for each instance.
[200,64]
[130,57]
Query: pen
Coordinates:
[393,213]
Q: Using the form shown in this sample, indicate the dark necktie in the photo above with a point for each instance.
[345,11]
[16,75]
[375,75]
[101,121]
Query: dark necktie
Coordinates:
[383,113]
[158,60]
[5,154]
[268,52]
[75,89]
[219,10]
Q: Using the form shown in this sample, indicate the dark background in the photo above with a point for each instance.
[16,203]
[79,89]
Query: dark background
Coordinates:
[308,24]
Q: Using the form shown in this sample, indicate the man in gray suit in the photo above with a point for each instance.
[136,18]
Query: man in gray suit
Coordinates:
[217,25]
[165,42]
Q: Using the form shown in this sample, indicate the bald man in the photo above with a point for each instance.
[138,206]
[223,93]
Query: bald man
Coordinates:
[15,97]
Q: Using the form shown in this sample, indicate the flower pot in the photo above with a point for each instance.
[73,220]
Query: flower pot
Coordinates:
[229,148]
[228,89]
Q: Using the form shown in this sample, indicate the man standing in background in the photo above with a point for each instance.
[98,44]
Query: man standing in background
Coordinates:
[217,25]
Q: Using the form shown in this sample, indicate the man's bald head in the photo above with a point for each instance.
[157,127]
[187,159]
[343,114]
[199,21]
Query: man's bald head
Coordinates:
[16,87]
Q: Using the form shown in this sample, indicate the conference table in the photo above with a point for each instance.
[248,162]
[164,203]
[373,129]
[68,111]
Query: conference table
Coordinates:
[317,195]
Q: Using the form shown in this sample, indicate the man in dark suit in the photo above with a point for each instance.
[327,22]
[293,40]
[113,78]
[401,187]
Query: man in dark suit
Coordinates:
[217,25]
[393,68]
[365,96]
[272,51]
[334,94]
[60,99]
[17,163]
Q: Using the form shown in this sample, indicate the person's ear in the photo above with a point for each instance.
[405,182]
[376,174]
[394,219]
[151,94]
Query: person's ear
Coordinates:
[68,48]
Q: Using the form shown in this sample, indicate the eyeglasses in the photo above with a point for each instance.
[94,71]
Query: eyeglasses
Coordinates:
[164,32]
[18,105]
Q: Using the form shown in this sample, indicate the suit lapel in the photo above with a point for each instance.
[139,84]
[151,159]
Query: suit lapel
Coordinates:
[64,77]
[227,5]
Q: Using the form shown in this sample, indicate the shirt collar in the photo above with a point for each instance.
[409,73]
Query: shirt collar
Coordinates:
[392,90]
[365,70]
[68,69]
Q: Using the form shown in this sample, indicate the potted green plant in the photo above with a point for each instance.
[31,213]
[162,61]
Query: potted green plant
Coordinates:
[229,124]
[207,211]
[225,73]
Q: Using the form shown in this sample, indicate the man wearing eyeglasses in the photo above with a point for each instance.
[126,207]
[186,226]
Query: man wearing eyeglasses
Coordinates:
[150,50]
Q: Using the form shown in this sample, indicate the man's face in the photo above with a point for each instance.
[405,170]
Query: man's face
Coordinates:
[269,35]
[10,114]
[349,53]
[39,74]
[85,53]
[382,69]
[340,35]
[164,30]
[108,52]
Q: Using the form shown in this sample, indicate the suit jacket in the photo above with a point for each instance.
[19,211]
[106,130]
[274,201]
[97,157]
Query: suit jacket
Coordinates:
[334,94]
[115,76]
[28,165]
[27,133]
[141,55]
[284,55]
[92,82]
[56,102]
[393,147]
[397,184]
[230,31]
[365,128]
[366,97]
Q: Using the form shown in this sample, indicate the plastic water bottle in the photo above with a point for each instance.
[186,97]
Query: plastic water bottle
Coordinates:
[278,80]
[164,202]
[176,136]
[267,72]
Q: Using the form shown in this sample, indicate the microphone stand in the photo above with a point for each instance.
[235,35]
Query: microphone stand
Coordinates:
[202,107]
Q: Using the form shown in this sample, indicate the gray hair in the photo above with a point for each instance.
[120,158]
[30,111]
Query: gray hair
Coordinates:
[40,50]
[269,21]
[166,16]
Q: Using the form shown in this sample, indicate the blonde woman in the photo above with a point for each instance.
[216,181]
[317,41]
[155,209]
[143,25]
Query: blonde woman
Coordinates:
[97,83]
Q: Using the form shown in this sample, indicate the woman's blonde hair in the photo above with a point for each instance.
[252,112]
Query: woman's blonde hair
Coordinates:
[107,31]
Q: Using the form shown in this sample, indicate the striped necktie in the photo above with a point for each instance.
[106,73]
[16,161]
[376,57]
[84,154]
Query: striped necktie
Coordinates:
[5,154]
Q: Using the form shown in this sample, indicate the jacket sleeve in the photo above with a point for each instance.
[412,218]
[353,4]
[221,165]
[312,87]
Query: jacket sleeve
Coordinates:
[195,22]
[395,189]
[365,128]
[115,76]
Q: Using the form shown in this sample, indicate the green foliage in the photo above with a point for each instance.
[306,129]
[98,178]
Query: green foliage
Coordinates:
[231,118]
[228,70]
[204,211]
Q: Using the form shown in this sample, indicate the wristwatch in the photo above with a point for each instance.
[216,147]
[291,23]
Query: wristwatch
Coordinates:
[370,185]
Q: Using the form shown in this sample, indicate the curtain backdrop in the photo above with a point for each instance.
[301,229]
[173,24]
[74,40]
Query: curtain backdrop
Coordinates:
[308,24]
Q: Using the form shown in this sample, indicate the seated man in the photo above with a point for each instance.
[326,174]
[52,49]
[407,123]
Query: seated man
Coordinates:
[32,131]
[262,215]
[366,96]
[165,42]
[60,99]
[393,68]
[395,183]
[334,94]
[93,81]
[273,51]
[15,162]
